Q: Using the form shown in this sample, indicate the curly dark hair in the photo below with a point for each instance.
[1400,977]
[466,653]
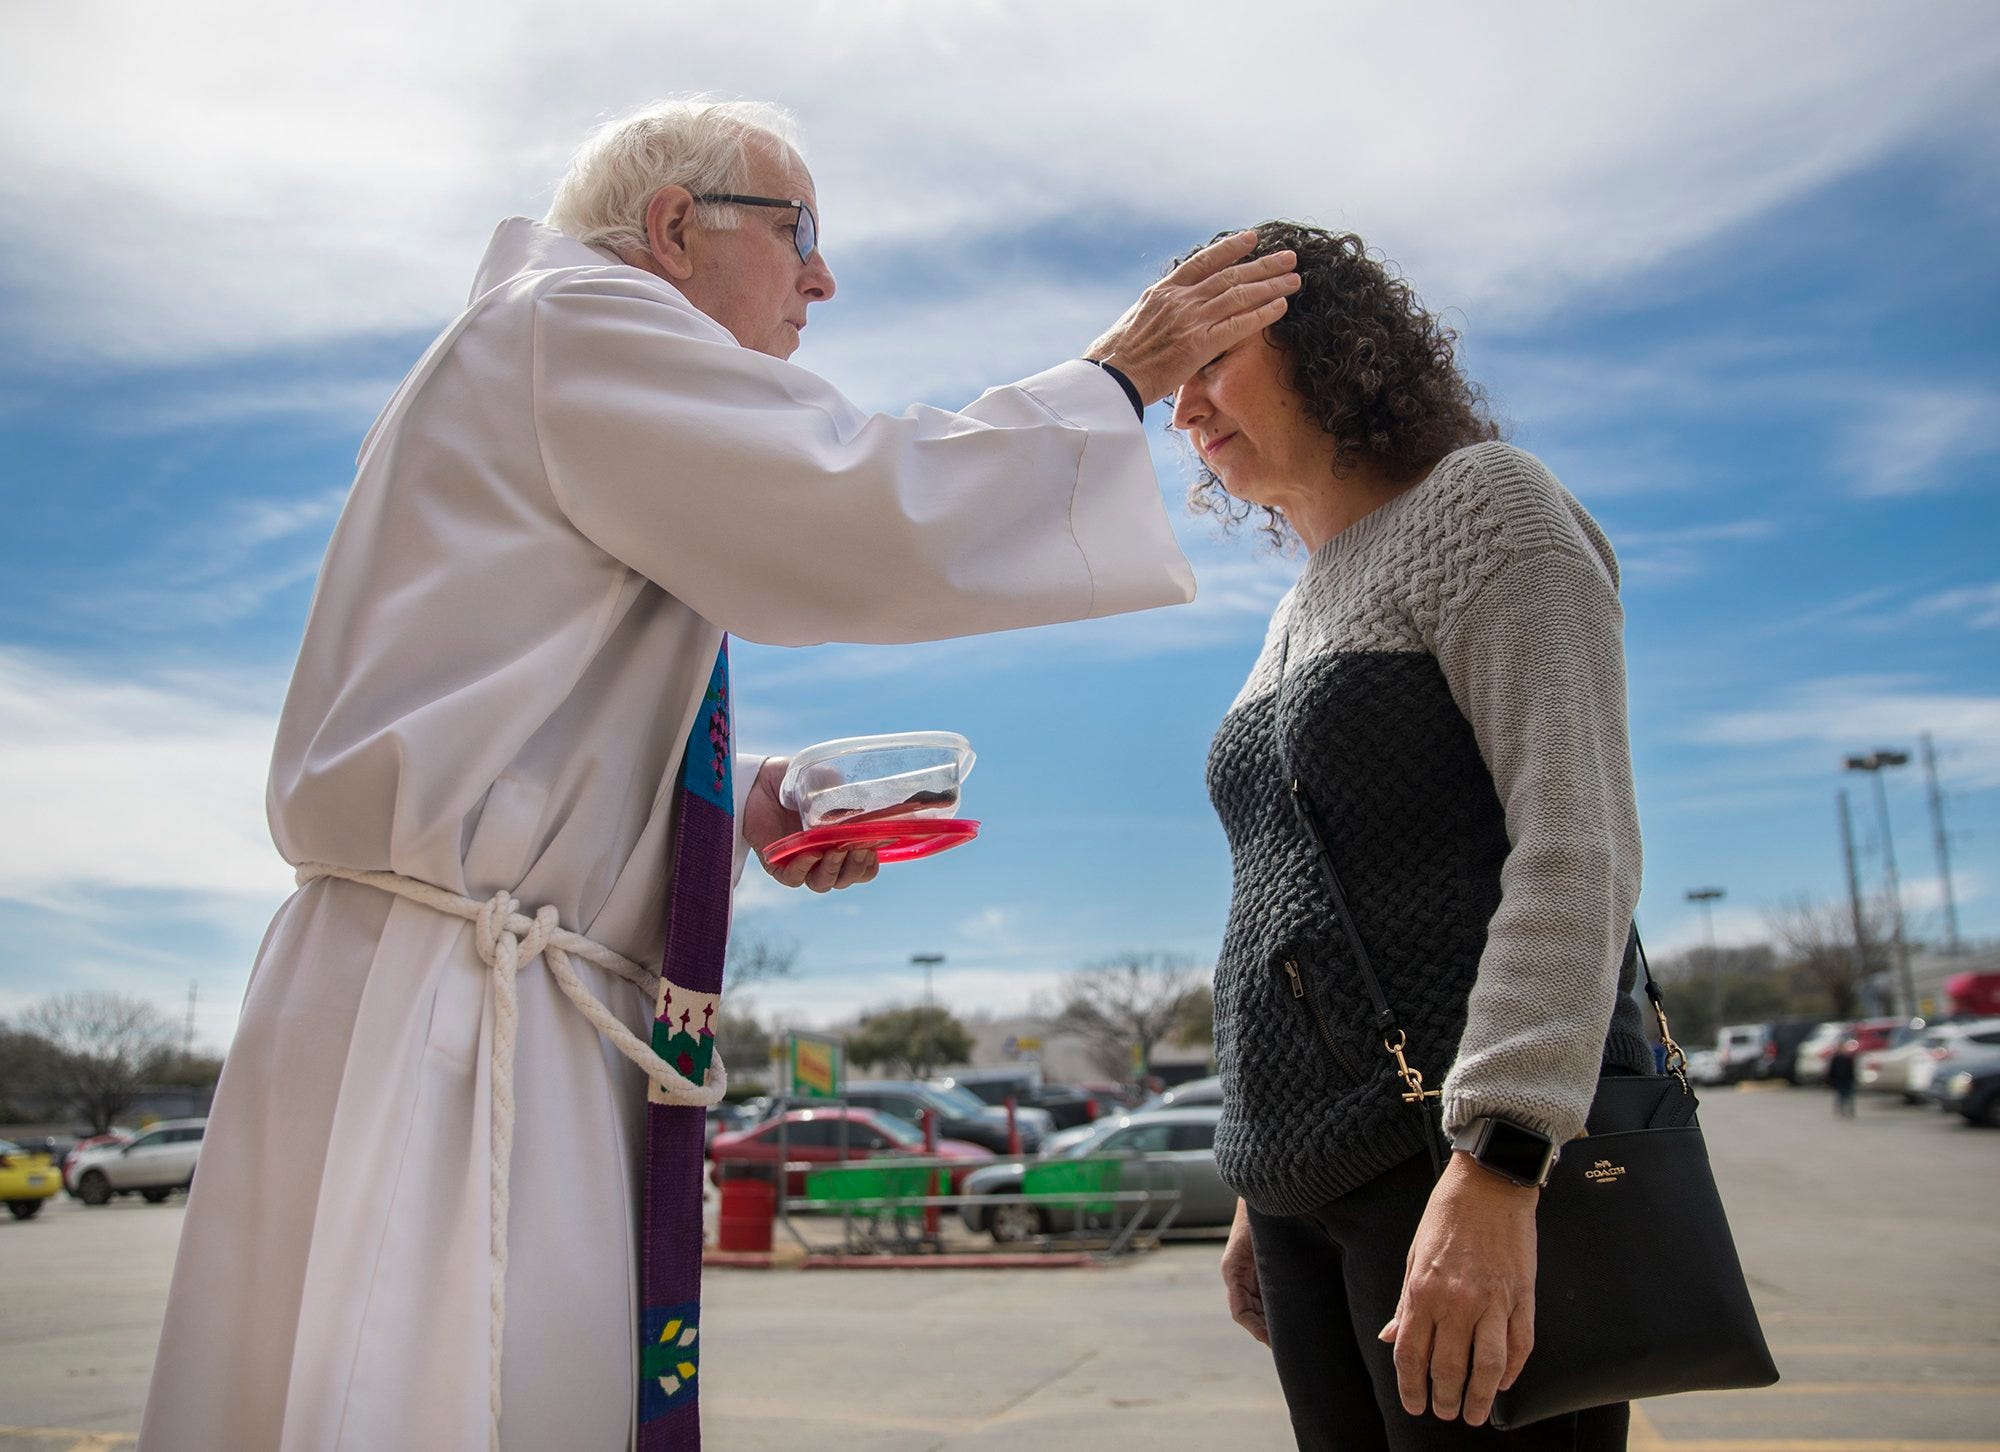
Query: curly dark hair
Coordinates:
[1373,367]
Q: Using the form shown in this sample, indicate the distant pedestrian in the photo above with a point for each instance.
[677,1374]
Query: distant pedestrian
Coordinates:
[1840,1079]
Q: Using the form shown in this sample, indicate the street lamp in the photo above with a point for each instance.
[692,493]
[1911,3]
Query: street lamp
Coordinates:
[1707,897]
[1875,763]
[927,961]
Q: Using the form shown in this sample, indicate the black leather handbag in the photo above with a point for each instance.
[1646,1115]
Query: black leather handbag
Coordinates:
[1638,1289]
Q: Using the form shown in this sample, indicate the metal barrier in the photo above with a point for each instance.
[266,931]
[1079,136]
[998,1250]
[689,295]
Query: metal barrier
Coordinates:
[889,1204]
[882,1202]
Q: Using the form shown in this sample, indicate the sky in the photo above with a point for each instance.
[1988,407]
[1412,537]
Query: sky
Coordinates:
[1728,269]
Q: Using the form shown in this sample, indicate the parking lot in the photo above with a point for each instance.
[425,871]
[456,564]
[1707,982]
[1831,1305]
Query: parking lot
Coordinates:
[1872,1246]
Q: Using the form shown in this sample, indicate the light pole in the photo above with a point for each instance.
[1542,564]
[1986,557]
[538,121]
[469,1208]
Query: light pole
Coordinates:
[1941,843]
[1875,763]
[1853,892]
[927,961]
[1707,896]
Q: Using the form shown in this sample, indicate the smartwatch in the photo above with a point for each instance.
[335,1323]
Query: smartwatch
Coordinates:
[1511,1151]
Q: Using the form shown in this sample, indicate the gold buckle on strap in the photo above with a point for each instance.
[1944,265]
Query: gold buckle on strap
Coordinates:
[1412,1077]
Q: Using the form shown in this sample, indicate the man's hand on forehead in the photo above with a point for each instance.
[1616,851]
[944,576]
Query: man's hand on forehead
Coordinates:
[1205,306]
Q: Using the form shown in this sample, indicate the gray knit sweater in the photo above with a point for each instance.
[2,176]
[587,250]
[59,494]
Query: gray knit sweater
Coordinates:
[1455,704]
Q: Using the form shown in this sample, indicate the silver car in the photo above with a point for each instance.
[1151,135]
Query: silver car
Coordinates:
[1953,1048]
[1179,1146]
[154,1165]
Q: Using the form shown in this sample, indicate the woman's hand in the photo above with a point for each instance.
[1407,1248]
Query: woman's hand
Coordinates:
[1239,1278]
[1466,1320]
[766,819]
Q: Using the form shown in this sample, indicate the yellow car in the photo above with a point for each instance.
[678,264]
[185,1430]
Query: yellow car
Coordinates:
[26,1180]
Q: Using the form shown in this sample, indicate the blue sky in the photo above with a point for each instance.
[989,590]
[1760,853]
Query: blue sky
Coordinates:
[1726,268]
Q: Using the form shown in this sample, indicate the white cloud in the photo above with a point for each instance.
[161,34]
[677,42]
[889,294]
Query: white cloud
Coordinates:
[1921,440]
[339,403]
[987,923]
[1660,556]
[1828,719]
[822,1000]
[216,570]
[291,180]
[132,784]
[1976,606]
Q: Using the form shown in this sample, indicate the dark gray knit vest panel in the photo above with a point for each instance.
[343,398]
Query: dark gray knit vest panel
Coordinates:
[1418,837]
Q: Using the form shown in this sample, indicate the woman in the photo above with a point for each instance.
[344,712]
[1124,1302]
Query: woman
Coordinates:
[1453,707]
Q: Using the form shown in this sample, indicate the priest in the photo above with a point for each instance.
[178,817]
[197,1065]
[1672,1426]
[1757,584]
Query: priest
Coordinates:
[450,1194]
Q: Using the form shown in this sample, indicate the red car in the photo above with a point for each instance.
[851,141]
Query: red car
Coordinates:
[828,1136]
[1865,1036]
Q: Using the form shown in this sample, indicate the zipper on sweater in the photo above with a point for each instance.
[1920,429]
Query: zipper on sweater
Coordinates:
[1341,1054]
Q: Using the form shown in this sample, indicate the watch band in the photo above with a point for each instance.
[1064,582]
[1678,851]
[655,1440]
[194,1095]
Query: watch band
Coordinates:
[1515,1153]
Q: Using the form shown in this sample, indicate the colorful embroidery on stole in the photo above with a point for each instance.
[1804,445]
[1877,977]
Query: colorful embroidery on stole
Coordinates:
[684,1035]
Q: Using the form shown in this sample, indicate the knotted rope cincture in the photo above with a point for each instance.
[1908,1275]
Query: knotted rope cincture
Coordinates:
[506,939]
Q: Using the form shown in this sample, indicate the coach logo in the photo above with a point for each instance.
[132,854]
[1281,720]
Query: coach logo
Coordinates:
[1604,1172]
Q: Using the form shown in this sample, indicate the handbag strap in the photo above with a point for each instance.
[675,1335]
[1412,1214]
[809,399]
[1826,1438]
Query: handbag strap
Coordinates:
[1394,1039]
[1676,1062]
[1385,1017]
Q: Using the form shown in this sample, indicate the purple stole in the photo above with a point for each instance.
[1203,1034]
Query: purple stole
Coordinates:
[683,1035]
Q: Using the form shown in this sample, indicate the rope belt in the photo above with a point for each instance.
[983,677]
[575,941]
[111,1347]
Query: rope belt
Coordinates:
[507,939]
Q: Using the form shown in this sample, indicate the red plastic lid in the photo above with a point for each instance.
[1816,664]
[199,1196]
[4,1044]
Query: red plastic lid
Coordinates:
[893,841]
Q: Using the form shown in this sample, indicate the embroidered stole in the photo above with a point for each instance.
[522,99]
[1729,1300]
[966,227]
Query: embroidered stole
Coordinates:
[684,1035]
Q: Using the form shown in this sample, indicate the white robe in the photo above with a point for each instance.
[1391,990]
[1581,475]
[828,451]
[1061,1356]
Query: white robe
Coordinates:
[579,488]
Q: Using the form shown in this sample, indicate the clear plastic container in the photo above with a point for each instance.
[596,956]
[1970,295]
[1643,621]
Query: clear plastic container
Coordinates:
[915,775]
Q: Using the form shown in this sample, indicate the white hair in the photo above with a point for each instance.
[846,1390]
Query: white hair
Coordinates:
[686,141]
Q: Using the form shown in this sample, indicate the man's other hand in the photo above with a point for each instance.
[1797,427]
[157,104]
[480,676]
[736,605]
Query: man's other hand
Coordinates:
[766,820]
[1208,304]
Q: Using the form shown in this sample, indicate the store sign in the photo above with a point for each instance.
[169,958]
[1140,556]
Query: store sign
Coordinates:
[816,1069]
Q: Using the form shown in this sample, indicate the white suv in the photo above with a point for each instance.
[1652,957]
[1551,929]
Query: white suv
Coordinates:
[1948,1048]
[1742,1049]
[155,1164]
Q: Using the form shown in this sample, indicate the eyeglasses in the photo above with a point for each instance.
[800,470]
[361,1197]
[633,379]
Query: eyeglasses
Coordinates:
[805,231]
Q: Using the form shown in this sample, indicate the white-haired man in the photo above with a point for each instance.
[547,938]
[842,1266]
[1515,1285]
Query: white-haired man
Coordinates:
[436,1188]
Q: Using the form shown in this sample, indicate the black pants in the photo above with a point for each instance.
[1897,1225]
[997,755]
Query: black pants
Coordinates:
[1330,1281]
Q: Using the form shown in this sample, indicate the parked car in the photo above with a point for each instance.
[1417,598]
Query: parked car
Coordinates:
[724,1117]
[1740,1047]
[1179,1145]
[153,1164]
[1974,1093]
[57,1147]
[1112,1098]
[27,1178]
[1889,1069]
[831,1136]
[1781,1049]
[1066,1106]
[1183,1096]
[960,1113]
[1861,1036]
[1951,1048]
[1810,1065]
[1704,1066]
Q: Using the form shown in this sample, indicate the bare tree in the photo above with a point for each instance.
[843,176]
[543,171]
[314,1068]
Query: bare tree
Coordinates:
[1816,940]
[758,953]
[744,1041]
[103,1044]
[27,1073]
[1122,1007]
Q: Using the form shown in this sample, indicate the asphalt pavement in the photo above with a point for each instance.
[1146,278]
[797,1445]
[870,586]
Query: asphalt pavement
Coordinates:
[1872,1247]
